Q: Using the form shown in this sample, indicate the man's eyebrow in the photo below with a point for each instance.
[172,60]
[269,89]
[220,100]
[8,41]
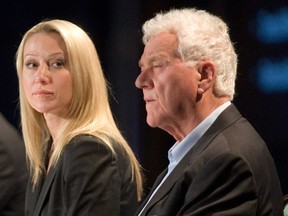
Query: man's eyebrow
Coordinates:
[153,58]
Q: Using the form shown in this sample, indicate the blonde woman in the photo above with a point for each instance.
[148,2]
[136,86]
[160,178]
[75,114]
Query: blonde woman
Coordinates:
[80,164]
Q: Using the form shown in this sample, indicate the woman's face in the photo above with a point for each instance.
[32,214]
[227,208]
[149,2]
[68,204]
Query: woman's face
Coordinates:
[46,77]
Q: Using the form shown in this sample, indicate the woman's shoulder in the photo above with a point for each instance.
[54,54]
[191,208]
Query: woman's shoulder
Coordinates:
[82,138]
[86,142]
[88,145]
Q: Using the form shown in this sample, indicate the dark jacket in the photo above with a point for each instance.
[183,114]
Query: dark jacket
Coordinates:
[13,170]
[87,180]
[228,172]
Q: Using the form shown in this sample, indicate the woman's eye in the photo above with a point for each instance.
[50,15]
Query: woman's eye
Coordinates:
[57,64]
[30,65]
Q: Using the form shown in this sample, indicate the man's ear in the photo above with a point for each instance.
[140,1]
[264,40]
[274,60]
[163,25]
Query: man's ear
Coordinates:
[207,76]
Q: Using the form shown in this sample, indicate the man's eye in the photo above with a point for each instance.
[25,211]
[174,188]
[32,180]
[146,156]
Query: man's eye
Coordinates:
[159,64]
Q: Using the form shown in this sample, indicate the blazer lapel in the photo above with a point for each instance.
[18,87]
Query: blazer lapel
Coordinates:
[226,118]
[156,183]
[173,177]
[47,183]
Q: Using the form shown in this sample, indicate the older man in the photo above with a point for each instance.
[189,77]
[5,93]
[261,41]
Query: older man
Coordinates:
[219,164]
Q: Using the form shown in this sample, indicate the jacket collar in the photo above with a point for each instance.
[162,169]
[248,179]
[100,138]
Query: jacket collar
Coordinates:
[226,118]
[44,191]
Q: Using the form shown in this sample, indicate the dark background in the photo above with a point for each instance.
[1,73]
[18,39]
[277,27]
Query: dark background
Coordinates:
[115,27]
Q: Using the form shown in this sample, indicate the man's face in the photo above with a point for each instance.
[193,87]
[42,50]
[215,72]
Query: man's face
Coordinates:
[169,85]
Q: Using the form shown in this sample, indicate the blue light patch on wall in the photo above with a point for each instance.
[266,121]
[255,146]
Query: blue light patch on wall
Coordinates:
[272,76]
[272,27]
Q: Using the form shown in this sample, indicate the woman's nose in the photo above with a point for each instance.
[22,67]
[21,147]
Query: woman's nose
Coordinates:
[42,75]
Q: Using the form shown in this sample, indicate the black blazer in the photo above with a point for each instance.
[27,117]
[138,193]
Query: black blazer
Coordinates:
[228,172]
[87,180]
[13,170]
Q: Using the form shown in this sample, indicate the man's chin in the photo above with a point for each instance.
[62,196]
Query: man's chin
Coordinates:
[151,123]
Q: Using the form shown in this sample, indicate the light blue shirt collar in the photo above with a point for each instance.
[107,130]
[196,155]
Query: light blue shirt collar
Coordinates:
[179,149]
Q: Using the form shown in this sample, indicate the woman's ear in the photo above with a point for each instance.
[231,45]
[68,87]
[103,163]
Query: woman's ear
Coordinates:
[207,76]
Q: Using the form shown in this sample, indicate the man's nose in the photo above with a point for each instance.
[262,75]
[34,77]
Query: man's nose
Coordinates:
[138,81]
[144,79]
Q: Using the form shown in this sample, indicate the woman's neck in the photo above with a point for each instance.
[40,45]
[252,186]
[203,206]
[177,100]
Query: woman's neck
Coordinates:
[54,124]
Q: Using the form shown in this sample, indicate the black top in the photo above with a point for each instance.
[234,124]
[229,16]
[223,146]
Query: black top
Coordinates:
[13,170]
[87,180]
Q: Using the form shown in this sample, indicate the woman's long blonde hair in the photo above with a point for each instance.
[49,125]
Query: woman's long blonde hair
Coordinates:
[90,111]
